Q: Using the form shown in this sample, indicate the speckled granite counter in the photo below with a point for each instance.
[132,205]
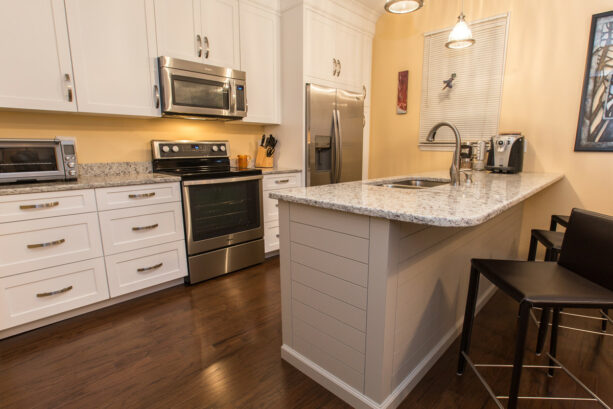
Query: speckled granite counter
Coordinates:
[273,171]
[95,175]
[466,205]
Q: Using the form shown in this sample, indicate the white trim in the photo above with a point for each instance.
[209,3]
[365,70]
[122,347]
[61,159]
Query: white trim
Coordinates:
[357,399]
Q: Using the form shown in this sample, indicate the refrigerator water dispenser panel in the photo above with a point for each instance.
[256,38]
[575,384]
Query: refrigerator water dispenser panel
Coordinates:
[323,153]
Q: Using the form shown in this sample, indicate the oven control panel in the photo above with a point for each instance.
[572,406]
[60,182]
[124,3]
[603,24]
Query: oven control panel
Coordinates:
[189,149]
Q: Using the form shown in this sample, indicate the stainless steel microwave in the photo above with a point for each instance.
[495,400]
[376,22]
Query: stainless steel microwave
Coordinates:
[191,89]
[36,160]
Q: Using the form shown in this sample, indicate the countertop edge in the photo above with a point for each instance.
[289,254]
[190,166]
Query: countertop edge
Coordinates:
[124,180]
[426,220]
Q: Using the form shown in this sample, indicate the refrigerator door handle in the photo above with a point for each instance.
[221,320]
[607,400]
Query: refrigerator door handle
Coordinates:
[338,143]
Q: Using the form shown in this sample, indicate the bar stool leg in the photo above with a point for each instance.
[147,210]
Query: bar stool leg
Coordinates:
[522,329]
[553,345]
[532,251]
[469,317]
[540,342]
[604,323]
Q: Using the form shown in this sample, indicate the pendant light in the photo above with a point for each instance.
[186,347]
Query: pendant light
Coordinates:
[403,6]
[460,36]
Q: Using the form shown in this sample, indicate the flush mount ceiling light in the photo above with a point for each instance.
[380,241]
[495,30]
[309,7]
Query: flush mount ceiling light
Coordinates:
[460,36]
[403,6]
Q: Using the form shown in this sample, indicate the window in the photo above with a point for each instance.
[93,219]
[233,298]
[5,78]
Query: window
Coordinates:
[473,104]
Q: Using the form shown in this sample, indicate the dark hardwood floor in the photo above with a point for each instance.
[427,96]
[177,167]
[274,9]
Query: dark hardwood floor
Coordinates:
[217,345]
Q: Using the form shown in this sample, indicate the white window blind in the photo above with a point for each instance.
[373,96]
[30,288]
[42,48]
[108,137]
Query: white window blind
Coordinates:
[473,104]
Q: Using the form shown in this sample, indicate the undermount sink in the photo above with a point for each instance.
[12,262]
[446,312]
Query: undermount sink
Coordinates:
[412,184]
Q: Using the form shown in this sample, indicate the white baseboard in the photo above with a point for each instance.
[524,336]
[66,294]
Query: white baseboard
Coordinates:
[356,398]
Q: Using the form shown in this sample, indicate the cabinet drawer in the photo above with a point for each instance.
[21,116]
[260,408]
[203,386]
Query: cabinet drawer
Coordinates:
[30,206]
[38,294]
[271,237]
[138,227]
[36,244]
[271,209]
[129,196]
[138,269]
[284,181]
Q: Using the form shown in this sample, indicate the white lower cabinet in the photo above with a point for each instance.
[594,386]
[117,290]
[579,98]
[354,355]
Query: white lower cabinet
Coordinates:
[42,293]
[272,183]
[53,261]
[138,269]
[36,244]
[143,226]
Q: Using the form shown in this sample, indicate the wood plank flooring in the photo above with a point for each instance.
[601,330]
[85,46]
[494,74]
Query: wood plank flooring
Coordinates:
[217,345]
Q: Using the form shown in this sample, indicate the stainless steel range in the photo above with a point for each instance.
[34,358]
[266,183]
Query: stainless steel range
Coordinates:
[222,206]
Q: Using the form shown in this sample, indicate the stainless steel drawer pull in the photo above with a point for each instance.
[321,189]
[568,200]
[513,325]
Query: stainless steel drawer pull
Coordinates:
[282,181]
[51,243]
[39,206]
[141,195]
[50,293]
[145,269]
[153,226]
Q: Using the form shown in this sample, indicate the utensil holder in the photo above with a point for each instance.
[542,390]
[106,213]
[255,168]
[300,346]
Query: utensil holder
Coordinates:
[263,161]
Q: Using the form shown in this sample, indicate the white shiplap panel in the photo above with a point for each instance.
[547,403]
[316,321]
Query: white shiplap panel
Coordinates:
[473,104]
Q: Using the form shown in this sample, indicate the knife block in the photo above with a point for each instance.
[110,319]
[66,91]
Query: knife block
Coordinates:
[263,161]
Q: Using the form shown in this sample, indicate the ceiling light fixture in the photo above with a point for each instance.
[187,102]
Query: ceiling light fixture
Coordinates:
[460,36]
[403,6]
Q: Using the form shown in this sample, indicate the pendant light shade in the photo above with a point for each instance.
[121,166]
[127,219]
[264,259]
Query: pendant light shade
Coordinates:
[403,6]
[460,36]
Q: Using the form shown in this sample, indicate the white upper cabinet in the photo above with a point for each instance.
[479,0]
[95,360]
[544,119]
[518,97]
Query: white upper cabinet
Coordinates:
[220,33]
[178,30]
[36,72]
[113,56]
[113,64]
[205,31]
[333,51]
[260,59]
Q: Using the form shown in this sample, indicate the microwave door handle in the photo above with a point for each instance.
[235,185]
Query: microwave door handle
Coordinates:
[232,97]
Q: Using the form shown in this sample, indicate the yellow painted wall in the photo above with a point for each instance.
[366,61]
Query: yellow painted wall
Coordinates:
[119,139]
[546,59]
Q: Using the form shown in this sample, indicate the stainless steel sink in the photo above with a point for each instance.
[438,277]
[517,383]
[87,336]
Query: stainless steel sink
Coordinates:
[412,184]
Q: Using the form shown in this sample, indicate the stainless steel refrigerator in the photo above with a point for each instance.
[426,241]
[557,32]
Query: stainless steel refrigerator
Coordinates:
[334,135]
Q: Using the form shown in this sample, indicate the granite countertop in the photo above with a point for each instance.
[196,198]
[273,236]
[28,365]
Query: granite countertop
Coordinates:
[87,182]
[466,205]
[275,170]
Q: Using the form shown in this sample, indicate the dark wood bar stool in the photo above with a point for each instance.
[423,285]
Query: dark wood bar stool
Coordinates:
[582,278]
[552,240]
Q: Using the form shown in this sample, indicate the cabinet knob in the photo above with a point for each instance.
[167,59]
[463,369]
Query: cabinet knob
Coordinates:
[207,45]
[335,66]
[199,45]
[340,67]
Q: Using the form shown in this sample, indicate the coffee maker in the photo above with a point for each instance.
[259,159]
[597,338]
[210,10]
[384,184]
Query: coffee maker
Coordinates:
[506,154]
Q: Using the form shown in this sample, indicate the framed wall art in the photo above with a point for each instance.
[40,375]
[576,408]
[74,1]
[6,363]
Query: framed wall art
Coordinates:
[403,86]
[595,128]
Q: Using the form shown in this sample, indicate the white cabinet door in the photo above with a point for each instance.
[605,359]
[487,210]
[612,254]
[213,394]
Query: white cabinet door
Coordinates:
[220,30]
[319,47]
[177,27]
[260,59]
[113,56]
[36,71]
[348,51]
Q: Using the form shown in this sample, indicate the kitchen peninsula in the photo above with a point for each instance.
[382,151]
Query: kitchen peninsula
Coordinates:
[374,278]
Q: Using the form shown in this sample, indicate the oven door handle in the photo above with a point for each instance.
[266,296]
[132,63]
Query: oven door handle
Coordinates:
[222,180]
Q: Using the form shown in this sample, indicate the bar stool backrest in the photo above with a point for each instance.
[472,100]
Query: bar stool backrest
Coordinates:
[587,248]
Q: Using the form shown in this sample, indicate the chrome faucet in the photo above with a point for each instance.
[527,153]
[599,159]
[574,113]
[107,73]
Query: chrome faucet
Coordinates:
[454,170]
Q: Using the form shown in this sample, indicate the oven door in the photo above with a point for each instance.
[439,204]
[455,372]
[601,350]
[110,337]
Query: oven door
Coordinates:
[22,160]
[191,93]
[222,212]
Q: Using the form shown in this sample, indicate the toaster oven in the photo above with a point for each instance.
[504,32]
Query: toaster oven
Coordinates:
[36,160]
